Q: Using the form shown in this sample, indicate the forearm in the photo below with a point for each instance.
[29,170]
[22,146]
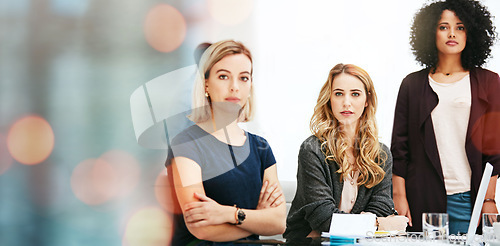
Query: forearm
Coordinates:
[270,221]
[267,222]
[490,192]
[399,196]
[188,187]
[319,214]
[216,225]
[489,205]
[381,202]
[398,186]
[219,233]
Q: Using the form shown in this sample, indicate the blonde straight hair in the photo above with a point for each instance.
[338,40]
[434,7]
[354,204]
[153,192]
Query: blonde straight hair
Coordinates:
[201,107]
[367,152]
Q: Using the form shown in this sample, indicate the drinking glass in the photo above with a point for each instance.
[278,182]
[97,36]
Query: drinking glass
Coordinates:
[435,226]
[490,221]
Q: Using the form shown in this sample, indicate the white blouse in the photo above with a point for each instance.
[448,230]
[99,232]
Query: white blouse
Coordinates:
[450,119]
[349,192]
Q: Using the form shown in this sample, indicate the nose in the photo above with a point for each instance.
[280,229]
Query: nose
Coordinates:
[347,101]
[451,34]
[233,84]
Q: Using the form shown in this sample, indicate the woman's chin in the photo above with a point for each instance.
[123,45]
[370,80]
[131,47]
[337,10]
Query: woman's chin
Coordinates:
[228,108]
[348,122]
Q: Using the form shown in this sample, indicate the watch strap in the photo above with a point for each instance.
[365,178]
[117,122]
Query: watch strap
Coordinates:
[239,215]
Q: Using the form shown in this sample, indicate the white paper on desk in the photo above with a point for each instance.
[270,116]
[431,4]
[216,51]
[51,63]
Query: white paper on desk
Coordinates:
[352,225]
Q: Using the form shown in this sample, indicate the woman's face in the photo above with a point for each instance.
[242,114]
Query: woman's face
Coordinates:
[451,35]
[230,80]
[348,99]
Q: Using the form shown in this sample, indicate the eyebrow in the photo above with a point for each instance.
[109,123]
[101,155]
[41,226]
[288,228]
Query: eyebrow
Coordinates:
[227,71]
[222,70]
[338,89]
[458,23]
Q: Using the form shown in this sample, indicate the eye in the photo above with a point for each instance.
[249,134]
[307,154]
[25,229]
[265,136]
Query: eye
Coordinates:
[461,28]
[443,27]
[338,94]
[223,76]
[355,94]
[245,78]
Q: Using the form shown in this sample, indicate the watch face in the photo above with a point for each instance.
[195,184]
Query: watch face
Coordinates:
[241,215]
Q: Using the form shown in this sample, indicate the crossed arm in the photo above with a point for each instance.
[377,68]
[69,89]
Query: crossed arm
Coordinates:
[208,220]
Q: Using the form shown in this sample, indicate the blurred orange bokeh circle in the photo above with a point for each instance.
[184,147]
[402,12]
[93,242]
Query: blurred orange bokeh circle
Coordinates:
[30,140]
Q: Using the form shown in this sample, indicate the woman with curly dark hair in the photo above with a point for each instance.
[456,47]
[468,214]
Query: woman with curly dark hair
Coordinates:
[447,116]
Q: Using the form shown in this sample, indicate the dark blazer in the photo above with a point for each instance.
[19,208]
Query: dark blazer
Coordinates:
[414,148]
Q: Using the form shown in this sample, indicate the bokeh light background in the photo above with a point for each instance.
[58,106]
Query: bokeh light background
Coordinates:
[71,170]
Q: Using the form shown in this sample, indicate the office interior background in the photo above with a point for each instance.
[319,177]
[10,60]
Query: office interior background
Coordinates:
[73,168]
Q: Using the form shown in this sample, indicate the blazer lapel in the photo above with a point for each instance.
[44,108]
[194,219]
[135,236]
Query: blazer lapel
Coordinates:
[425,123]
[429,102]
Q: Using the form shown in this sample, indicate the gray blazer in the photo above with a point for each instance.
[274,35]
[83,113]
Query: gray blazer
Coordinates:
[319,190]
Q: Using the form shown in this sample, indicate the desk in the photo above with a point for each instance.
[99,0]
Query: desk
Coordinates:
[403,241]
[389,241]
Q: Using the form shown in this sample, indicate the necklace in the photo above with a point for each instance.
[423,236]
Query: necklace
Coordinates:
[445,74]
[449,73]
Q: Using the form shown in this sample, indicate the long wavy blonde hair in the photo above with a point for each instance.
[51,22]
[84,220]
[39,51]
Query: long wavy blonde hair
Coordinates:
[367,152]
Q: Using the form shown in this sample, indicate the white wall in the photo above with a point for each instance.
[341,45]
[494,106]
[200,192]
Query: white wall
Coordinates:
[296,43]
[296,47]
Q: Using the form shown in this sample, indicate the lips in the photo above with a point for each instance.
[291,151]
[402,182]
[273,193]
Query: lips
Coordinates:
[346,113]
[452,43]
[232,99]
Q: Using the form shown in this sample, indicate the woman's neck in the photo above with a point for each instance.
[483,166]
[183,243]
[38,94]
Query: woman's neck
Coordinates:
[224,114]
[350,133]
[449,64]
[224,128]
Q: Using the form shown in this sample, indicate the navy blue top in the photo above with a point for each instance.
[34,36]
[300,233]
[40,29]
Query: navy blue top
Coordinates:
[232,175]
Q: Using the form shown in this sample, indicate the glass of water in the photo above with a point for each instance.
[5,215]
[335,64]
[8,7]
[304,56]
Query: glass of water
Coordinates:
[490,221]
[435,226]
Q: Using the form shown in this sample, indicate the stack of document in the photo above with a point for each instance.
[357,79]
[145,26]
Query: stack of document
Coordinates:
[351,226]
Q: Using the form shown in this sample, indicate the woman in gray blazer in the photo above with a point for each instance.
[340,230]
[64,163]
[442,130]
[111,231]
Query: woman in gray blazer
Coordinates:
[342,167]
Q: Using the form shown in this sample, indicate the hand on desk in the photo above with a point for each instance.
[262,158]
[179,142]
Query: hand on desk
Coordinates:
[392,223]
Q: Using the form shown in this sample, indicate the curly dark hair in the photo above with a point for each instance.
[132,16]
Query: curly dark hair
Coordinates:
[478,24]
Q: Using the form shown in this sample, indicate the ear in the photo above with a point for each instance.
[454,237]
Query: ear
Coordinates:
[366,104]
